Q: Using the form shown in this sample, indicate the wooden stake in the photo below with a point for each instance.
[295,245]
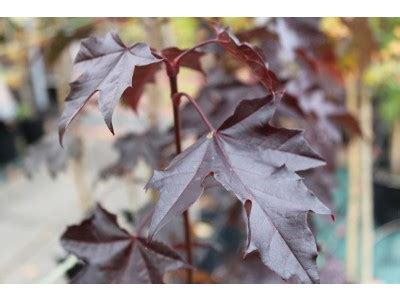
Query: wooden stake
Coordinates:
[367,222]
[354,189]
[83,190]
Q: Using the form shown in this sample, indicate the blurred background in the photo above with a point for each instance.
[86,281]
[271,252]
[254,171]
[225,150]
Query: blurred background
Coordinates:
[344,72]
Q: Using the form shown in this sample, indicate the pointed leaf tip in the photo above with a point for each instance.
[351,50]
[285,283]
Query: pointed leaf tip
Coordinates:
[244,156]
[108,69]
[106,248]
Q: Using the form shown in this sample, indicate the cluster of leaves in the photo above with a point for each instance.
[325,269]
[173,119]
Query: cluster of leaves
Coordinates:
[242,145]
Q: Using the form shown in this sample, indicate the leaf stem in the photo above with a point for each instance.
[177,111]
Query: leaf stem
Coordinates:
[186,219]
[184,53]
[178,96]
[177,121]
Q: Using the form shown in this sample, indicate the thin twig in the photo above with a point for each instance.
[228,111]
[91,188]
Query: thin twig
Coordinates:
[186,219]
[186,52]
[206,121]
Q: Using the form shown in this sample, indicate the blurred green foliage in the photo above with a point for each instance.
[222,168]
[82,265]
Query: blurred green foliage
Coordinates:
[384,29]
[385,72]
[186,31]
[390,104]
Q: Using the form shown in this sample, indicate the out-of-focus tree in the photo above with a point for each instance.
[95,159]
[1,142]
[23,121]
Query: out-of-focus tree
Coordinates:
[384,75]
[357,47]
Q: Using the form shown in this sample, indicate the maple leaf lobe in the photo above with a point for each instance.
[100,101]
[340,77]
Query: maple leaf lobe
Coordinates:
[249,55]
[191,60]
[112,255]
[257,162]
[108,67]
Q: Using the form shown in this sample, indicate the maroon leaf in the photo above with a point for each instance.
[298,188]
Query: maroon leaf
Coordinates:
[108,67]
[290,106]
[317,89]
[324,136]
[331,116]
[269,43]
[249,55]
[311,105]
[190,60]
[257,162]
[145,74]
[323,65]
[343,118]
[141,76]
[261,33]
[218,100]
[113,255]
[132,146]
[322,182]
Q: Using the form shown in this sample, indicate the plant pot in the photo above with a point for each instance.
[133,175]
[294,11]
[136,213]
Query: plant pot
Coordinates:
[8,149]
[31,129]
[386,197]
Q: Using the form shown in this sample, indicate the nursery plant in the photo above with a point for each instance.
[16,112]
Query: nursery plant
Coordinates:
[242,145]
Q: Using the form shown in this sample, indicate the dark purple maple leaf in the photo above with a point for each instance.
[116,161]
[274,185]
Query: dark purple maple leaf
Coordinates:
[257,162]
[258,33]
[309,101]
[112,255]
[132,146]
[248,55]
[141,76]
[322,182]
[317,88]
[330,116]
[109,66]
[323,65]
[323,130]
[218,101]
[191,60]
[146,74]
[290,106]
[269,43]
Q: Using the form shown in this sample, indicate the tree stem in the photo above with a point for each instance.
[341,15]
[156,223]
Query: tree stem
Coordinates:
[177,97]
[186,219]
[183,54]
